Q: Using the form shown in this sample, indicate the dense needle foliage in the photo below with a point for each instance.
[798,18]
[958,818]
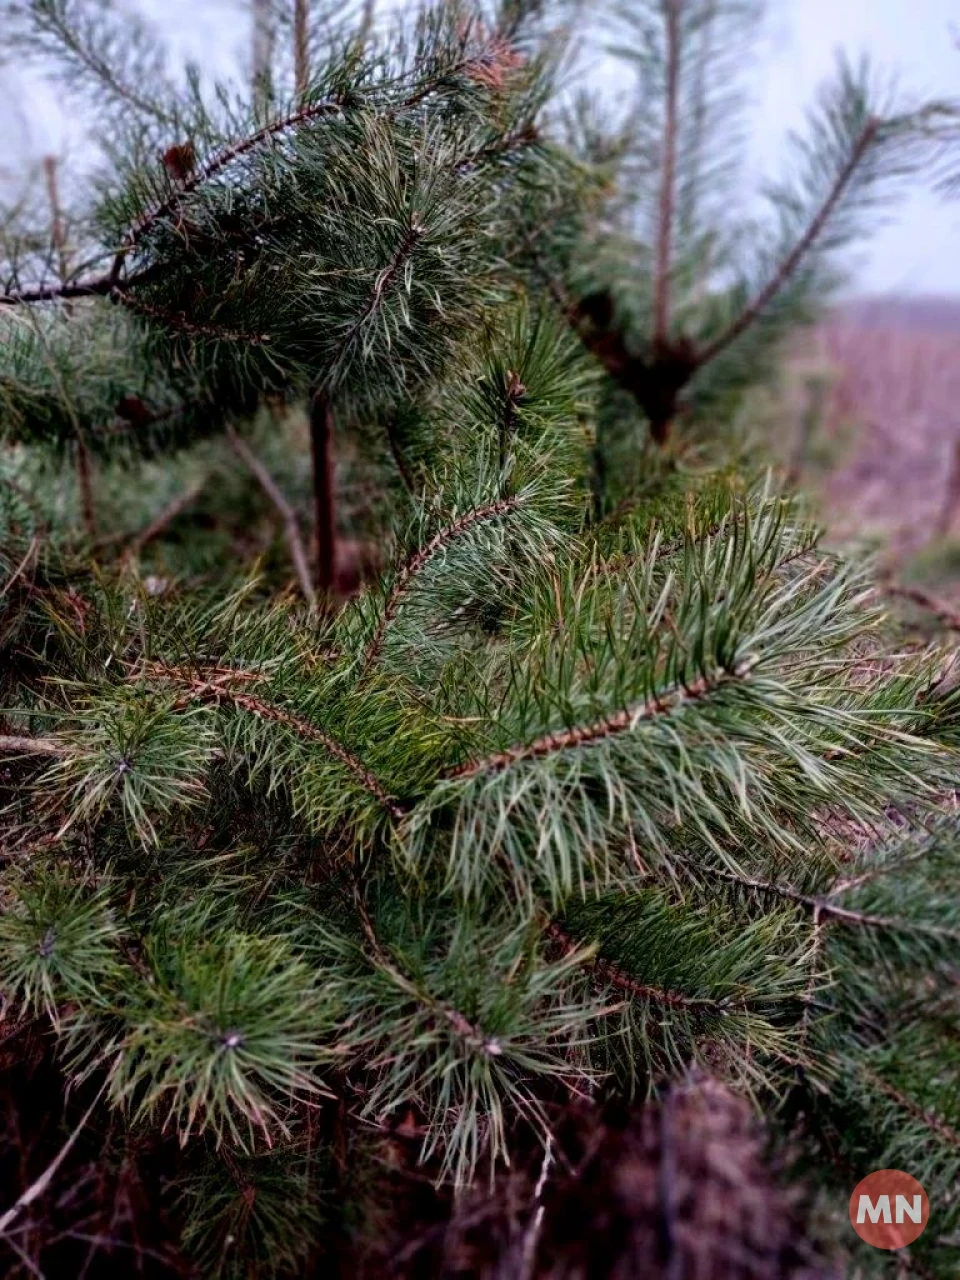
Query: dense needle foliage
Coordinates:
[568,795]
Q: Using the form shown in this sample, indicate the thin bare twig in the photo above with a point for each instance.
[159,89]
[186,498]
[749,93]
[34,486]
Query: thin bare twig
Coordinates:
[755,308]
[22,567]
[531,1237]
[611,973]
[291,527]
[662,279]
[15,744]
[164,518]
[40,1184]
[301,46]
[944,614]
[323,467]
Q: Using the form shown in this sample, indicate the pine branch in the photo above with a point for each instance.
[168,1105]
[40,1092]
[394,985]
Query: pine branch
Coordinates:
[825,907]
[936,1124]
[445,1012]
[381,287]
[287,514]
[222,159]
[294,120]
[183,324]
[589,735]
[90,58]
[219,691]
[611,973]
[755,309]
[664,266]
[420,558]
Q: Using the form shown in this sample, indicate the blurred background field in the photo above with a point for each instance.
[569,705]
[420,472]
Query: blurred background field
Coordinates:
[866,419]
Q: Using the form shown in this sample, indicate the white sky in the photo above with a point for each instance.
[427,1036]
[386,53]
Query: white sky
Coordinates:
[913,39]
[919,253]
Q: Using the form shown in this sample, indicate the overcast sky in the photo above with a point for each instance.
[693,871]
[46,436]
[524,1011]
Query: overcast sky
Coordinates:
[920,253]
[914,39]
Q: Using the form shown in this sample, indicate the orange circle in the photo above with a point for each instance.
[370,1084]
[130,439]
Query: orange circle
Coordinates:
[889,1209]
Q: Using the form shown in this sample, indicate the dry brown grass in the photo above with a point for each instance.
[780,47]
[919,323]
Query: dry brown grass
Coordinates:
[883,381]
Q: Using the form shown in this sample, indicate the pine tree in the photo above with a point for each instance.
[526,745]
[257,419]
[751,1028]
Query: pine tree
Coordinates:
[336,916]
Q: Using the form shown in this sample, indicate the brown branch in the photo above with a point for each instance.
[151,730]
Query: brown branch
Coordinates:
[755,308]
[824,907]
[160,522]
[514,391]
[399,461]
[366,22]
[448,1013]
[13,744]
[262,48]
[58,229]
[102,285]
[380,287]
[218,690]
[668,160]
[220,161]
[411,567]
[589,735]
[291,527]
[617,977]
[301,47]
[98,287]
[935,1123]
[182,324]
[655,380]
[324,491]
[944,614]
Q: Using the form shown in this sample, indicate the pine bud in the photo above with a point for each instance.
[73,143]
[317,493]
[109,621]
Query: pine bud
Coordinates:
[180,161]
